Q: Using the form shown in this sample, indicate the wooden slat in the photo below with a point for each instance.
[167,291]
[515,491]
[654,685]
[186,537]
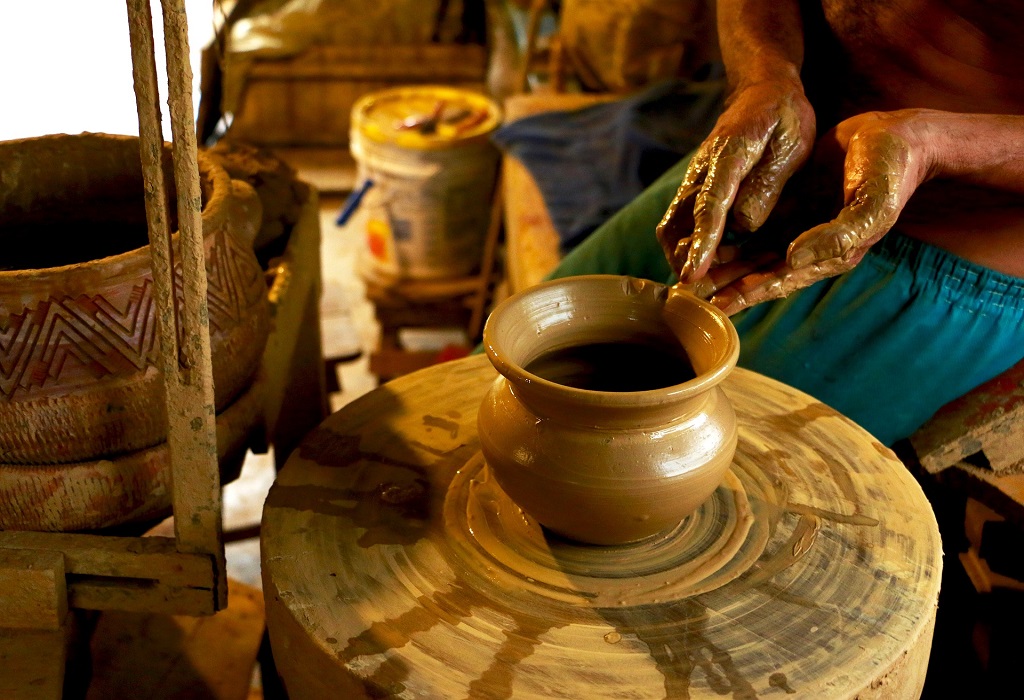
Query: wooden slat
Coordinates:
[192,434]
[184,329]
[132,596]
[148,558]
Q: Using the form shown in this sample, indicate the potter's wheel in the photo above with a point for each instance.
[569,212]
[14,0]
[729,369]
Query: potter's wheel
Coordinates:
[711,547]
[395,566]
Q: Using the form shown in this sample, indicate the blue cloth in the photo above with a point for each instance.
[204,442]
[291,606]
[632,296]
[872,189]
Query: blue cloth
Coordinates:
[591,162]
[888,343]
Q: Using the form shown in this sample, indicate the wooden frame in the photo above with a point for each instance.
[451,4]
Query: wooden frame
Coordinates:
[43,574]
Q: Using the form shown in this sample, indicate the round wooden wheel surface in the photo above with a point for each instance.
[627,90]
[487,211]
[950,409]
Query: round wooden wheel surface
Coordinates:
[394,566]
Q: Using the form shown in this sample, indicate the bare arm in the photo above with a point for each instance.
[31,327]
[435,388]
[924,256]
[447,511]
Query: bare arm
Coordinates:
[981,149]
[761,41]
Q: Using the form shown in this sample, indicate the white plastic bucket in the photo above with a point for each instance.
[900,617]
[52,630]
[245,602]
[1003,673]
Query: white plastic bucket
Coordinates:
[426,210]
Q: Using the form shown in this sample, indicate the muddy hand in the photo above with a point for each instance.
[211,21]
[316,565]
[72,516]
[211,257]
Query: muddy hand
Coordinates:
[884,164]
[762,138]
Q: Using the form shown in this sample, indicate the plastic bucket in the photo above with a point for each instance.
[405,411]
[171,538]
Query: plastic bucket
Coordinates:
[427,166]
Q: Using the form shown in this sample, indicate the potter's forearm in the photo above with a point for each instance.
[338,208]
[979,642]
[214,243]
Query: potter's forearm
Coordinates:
[761,40]
[986,150]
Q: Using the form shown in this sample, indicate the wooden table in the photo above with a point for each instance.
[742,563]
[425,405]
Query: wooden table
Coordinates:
[394,566]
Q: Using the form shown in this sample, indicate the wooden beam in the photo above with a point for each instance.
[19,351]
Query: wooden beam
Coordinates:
[135,595]
[121,573]
[148,558]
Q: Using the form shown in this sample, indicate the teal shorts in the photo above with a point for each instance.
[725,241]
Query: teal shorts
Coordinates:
[887,343]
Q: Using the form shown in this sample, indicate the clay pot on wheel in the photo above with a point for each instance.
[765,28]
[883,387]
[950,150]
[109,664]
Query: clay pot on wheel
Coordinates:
[608,423]
[79,362]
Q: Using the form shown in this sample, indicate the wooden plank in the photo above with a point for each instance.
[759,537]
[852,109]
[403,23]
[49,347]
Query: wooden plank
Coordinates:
[32,591]
[987,419]
[149,558]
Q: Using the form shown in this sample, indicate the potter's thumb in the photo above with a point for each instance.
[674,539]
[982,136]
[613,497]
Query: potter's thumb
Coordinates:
[824,242]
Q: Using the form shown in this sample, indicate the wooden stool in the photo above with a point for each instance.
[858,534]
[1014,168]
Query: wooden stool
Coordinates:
[393,564]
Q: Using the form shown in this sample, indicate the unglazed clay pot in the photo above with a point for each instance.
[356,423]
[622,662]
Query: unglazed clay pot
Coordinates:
[640,441]
[79,361]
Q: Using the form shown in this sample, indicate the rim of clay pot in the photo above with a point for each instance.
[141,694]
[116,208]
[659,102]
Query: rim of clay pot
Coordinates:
[635,291]
[212,208]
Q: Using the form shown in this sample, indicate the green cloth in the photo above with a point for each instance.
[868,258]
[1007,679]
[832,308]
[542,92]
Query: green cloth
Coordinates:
[887,343]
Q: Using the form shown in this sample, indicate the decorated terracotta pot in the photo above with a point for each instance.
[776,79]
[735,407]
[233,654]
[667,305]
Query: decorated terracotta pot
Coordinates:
[608,423]
[79,360]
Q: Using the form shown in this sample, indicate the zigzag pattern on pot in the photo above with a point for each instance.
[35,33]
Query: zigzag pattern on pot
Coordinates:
[90,331]
[36,344]
[234,281]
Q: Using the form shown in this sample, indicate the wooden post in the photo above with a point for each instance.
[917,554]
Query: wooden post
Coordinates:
[184,326]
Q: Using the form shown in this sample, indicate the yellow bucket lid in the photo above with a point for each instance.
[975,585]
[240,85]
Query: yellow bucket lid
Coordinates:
[425,117]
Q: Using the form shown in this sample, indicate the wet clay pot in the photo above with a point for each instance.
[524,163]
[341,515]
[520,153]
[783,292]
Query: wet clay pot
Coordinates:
[79,355]
[596,427]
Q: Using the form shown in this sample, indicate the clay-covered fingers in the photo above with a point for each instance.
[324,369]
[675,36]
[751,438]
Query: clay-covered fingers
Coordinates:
[764,135]
[731,160]
[777,281]
[881,172]
[676,227]
[787,150]
[721,276]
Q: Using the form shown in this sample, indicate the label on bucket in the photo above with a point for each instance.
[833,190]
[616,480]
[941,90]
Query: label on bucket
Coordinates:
[415,230]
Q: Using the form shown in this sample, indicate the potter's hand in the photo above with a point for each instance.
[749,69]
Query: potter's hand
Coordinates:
[885,161]
[762,138]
